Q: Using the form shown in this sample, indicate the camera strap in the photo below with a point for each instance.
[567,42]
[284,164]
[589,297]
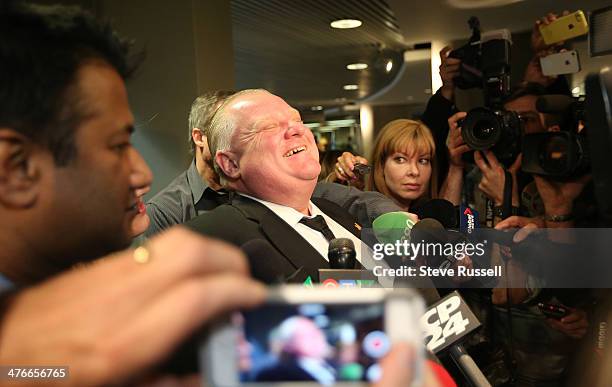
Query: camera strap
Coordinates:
[507,203]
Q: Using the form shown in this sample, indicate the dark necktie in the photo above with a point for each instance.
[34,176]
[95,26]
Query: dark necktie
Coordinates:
[318,224]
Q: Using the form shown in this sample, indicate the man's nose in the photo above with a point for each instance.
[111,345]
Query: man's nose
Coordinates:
[295,130]
[141,176]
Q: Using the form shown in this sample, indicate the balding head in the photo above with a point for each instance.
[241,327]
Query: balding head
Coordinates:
[262,148]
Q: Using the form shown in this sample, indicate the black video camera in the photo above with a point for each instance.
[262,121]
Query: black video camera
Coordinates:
[562,155]
[485,64]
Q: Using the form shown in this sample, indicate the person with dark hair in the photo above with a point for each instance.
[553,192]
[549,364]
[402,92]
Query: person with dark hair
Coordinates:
[70,189]
[61,71]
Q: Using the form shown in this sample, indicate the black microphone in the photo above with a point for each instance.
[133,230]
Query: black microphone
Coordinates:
[439,209]
[341,254]
[555,103]
[265,262]
[429,230]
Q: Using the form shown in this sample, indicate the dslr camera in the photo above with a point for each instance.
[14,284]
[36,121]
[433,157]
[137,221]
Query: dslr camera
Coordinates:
[485,64]
[562,155]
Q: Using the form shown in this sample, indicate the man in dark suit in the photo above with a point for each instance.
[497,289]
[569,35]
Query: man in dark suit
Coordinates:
[269,159]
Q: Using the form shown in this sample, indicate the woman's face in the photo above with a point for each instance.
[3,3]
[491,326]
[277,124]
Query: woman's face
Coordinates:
[407,178]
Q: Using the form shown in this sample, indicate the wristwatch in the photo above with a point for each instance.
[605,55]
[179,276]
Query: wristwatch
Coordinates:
[559,218]
[498,212]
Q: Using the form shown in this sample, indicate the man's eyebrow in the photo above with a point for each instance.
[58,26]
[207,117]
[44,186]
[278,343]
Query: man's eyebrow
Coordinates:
[296,114]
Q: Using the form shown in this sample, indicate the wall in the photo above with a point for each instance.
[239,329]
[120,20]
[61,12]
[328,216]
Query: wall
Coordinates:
[188,51]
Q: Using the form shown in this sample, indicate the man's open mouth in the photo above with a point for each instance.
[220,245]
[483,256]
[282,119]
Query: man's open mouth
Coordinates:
[139,206]
[294,151]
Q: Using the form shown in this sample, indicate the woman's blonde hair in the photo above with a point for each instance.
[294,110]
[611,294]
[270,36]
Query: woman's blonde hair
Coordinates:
[406,136]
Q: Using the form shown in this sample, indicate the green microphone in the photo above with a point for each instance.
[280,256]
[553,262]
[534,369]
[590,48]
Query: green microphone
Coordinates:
[392,227]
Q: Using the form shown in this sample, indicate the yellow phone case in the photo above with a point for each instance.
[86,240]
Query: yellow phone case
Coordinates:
[565,27]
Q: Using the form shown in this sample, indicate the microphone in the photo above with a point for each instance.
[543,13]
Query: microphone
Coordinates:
[265,261]
[446,322]
[392,227]
[441,210]
[431,231]
[342,261]
[555,103]
[341,254]
[460,217]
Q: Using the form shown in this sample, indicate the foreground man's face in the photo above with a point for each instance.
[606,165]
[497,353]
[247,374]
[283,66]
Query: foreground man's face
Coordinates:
[97,196]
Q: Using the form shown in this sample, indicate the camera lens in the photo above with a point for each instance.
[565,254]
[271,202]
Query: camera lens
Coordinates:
[481,129]
[484,130]
[554,154]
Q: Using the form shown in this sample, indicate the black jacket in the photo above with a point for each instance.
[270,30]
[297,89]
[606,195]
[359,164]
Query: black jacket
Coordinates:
[244,220]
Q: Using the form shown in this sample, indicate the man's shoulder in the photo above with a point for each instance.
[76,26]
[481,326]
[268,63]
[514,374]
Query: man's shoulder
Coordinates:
[170,206]
[177,188]
[226,222]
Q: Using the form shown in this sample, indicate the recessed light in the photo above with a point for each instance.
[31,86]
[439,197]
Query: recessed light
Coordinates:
[357,66]
[317,108]
[389,66]
[346,23]
[350,87]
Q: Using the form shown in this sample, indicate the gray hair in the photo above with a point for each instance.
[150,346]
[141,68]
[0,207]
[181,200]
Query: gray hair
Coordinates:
[222,127]
[202,110]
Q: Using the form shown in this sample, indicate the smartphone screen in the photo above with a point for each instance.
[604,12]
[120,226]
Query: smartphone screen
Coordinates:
[321,343]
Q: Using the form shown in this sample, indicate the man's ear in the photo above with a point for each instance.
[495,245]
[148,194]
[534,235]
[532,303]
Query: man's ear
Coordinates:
[19,175]
[198,137]
[228,164]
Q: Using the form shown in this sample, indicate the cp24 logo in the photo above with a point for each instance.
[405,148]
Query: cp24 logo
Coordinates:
[447,321]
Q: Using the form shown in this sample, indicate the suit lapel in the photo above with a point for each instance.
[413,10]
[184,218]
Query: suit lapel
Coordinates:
[339,215]
[289,242]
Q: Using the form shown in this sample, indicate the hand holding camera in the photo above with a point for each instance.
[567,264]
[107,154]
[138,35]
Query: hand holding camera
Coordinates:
[494,177]
[347,167]
[456,146]
[449,70]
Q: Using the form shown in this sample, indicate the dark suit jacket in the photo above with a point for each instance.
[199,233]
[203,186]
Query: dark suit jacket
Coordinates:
[244,220]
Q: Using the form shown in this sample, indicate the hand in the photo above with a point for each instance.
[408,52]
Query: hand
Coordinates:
[533,72]
[525,225]
[558,197]
[116,318]
[346,164]
[397,369]
[465,262]
[494,177]
[456,146]
[449,70]
[574,324]
[537,42]
[413,217]
[515,277]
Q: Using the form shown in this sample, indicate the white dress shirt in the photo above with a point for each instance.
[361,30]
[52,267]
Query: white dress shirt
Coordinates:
[316,239]
[292,217]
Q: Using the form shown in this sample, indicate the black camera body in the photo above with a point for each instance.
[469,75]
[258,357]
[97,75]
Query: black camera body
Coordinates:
[557,155]
[485,64]
[562,155]
[497,130]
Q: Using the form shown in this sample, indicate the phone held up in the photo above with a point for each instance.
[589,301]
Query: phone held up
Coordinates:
[314,336]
